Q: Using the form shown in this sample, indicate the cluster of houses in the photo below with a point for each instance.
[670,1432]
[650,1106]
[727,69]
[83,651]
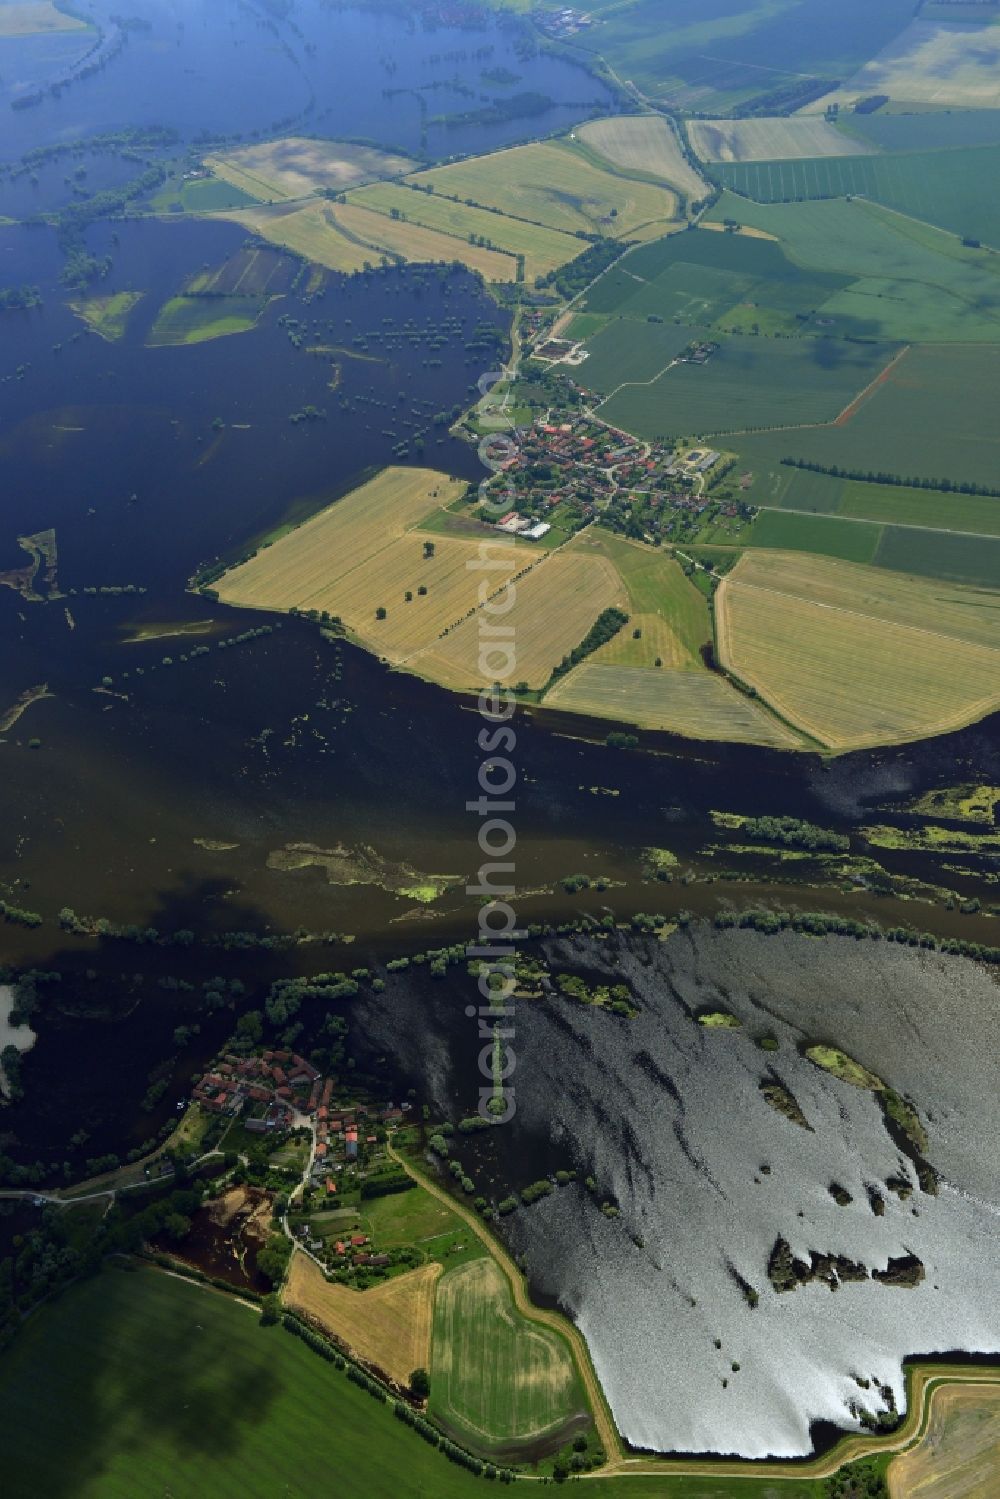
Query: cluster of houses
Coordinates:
[270,1089]
[561,23]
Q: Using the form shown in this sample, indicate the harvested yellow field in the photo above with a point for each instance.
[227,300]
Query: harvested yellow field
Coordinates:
[304,565]
[554,606]
[34,17]
[778,139]
[857,657]
[543,249]
[344,237]
[644,143]
[958,1456]
[310,232]
[415,243]
[550,183]
[696,704]
[298,168]
[382,582]
[388,1326]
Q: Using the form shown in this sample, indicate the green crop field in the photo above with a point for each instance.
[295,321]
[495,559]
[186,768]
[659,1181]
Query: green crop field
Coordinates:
[948,188]
[932,418]
[193,320]
[627,350]
[159,1387]
[936,130]
[825,535]
[750,382]
[930,509]
[929,554]
[736,279]
[912,281]
[497,1380]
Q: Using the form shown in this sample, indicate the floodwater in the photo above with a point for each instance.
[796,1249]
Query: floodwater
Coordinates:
[667,1117]
[386,74]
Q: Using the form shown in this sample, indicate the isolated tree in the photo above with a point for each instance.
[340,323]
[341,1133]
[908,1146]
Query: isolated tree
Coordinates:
[428,549]
[420,1383]
[380,612]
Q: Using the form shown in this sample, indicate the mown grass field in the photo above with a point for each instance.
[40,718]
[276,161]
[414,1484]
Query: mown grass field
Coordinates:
[298,168]
[947,188]
[556,604]
[543,249]
[194,320]
[696,705]
[158,1387]
[749,382]
[959,1448]
[552,184]
[497,1380]
[109,315]
[663,603]
[933,418]
[923,661]
[389,1325]
[644,144]
[770,139]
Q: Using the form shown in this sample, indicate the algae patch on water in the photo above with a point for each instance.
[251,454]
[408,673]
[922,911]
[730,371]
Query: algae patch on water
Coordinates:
[363,866]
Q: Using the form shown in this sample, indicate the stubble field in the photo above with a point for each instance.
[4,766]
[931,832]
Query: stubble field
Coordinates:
[923,660]
[388,1325]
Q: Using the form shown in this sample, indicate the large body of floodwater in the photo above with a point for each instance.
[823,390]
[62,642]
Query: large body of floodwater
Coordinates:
[391,74]
[667,1117]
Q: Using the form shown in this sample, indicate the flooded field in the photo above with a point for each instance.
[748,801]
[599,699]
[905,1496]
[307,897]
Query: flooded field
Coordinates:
[226,1236]
[668,1261]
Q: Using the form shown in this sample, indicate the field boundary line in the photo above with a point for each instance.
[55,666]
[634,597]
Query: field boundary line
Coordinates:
[864,520]
[852,407]
[603,1420]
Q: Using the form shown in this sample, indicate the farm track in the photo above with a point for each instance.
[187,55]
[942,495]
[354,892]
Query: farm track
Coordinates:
[922,1381]
[606,1429]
